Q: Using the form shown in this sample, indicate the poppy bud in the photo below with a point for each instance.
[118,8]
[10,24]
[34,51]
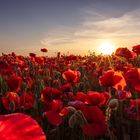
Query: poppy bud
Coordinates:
[113,104]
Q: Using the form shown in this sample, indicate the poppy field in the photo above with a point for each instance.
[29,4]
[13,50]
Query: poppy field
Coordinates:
[73,97]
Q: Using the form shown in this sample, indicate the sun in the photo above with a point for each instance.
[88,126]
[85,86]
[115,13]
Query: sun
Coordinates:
[106,48]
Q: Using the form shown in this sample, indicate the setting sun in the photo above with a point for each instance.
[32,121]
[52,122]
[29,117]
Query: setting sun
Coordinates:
[106,48]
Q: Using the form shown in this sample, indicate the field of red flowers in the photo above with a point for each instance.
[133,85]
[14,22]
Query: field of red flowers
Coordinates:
[94,97]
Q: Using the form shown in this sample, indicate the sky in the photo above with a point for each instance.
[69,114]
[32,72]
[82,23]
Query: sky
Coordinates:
[74,26]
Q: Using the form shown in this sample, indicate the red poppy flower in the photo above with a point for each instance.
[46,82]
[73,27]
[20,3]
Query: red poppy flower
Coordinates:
[112,79]
[11,101]
[27,100]
[5,68]
[96,121]
[71,57]
[39,60]
[136,49]
[14,83]
[78,105]
[19,126]
[32,54]
[124,52]
[132,77]
[51,93]
[53,114]
[71,76]
[134,109]
[122,94]
[67,96]
[80,96]
[95,98]
[44,50]
[66,87]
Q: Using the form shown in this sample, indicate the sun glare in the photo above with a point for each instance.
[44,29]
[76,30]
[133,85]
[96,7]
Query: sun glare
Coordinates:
[106,48]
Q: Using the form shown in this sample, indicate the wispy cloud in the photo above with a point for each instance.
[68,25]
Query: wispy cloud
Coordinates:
[59,35]
[125,26]
[57,40]
[97,26]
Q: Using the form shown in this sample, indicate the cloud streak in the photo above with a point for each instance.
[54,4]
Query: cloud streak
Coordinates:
[125,26]
[57,40]
[96,26]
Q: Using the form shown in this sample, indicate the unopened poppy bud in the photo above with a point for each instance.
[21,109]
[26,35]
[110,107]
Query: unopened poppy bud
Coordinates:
[113,104]
[71,109]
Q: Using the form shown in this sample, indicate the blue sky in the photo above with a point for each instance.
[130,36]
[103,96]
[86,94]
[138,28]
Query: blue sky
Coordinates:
[67,25]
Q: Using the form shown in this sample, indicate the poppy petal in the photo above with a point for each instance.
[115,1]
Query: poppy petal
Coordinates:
[94,129]
[19,126]
[54,118]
